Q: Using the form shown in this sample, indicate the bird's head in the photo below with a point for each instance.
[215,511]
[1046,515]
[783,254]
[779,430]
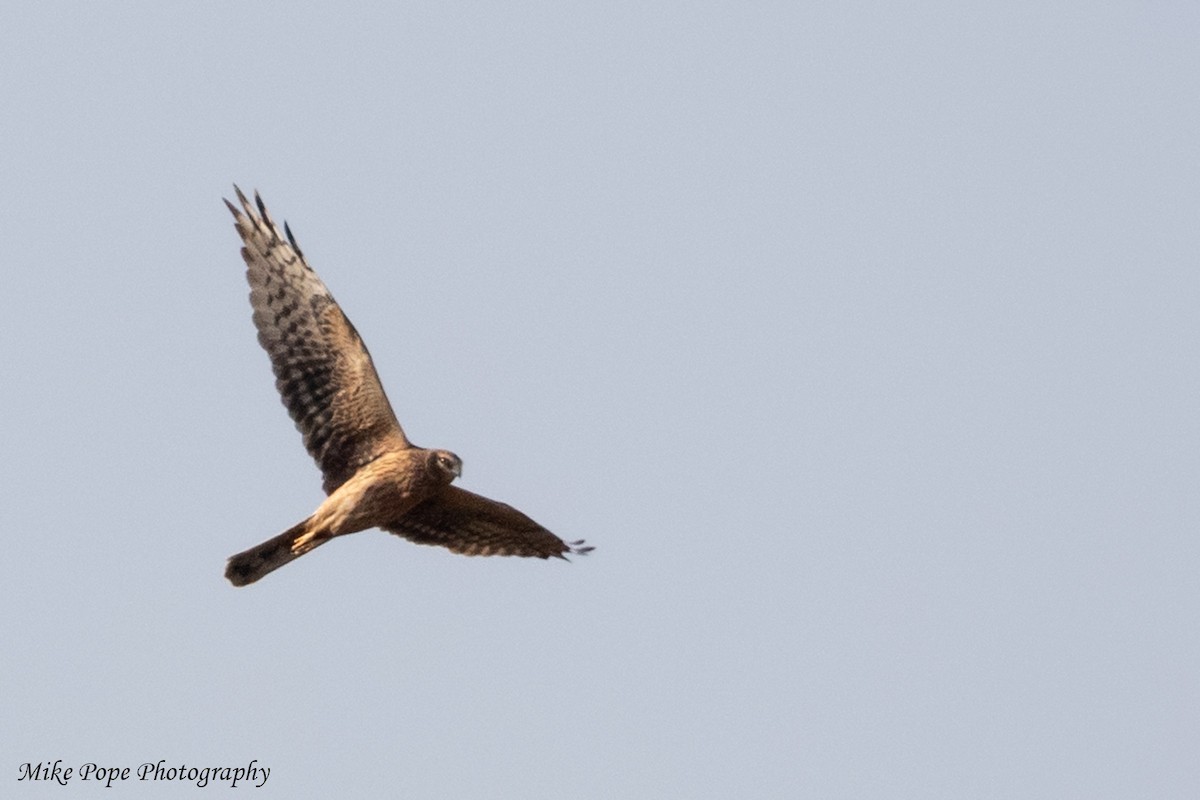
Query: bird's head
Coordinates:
[445,465]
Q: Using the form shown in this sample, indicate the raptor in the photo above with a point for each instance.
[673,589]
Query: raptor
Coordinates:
[374,477]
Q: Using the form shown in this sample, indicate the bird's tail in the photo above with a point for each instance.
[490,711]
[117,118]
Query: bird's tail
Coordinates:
[250,565]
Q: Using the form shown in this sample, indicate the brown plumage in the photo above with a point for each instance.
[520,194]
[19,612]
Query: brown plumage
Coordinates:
[373,476]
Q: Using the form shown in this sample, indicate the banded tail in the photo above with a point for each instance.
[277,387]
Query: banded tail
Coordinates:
[250,565]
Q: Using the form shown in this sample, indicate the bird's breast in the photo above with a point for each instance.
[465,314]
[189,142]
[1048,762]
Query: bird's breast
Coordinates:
[380,492]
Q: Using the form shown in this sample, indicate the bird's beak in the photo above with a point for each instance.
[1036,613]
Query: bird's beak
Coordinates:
[458,470]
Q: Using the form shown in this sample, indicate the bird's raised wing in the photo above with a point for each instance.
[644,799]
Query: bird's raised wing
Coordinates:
[476,526]
[322,368]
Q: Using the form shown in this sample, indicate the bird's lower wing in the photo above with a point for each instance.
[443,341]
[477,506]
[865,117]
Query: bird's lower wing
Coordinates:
[473,525]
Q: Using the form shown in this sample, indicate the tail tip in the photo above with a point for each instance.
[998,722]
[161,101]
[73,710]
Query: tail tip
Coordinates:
[239,573]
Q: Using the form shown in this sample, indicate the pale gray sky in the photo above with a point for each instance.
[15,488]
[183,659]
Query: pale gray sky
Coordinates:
[861,340]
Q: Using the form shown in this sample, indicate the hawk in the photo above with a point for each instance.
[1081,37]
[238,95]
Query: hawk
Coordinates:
[374,477]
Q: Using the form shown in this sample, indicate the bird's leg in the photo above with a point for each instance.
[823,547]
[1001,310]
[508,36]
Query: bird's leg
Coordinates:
[341,513]
[306,541]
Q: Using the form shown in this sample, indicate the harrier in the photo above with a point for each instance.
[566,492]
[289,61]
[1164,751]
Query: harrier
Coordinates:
[374,477]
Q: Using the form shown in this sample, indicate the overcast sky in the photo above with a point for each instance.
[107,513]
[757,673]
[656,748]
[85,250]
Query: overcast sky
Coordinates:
[861,340]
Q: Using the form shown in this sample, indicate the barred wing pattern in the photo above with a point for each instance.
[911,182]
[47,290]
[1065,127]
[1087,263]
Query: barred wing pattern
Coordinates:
[322,368]
[467,523]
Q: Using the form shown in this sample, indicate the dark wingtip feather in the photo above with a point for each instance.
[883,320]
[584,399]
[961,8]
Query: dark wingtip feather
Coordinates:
[579,548]
[292,239]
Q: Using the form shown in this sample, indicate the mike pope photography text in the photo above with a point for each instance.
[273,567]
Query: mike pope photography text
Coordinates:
[251,774]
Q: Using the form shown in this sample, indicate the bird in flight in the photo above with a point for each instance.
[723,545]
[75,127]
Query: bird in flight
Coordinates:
[373,476]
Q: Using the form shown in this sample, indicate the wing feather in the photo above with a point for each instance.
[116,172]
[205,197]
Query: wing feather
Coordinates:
[323,371]
[473,525]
